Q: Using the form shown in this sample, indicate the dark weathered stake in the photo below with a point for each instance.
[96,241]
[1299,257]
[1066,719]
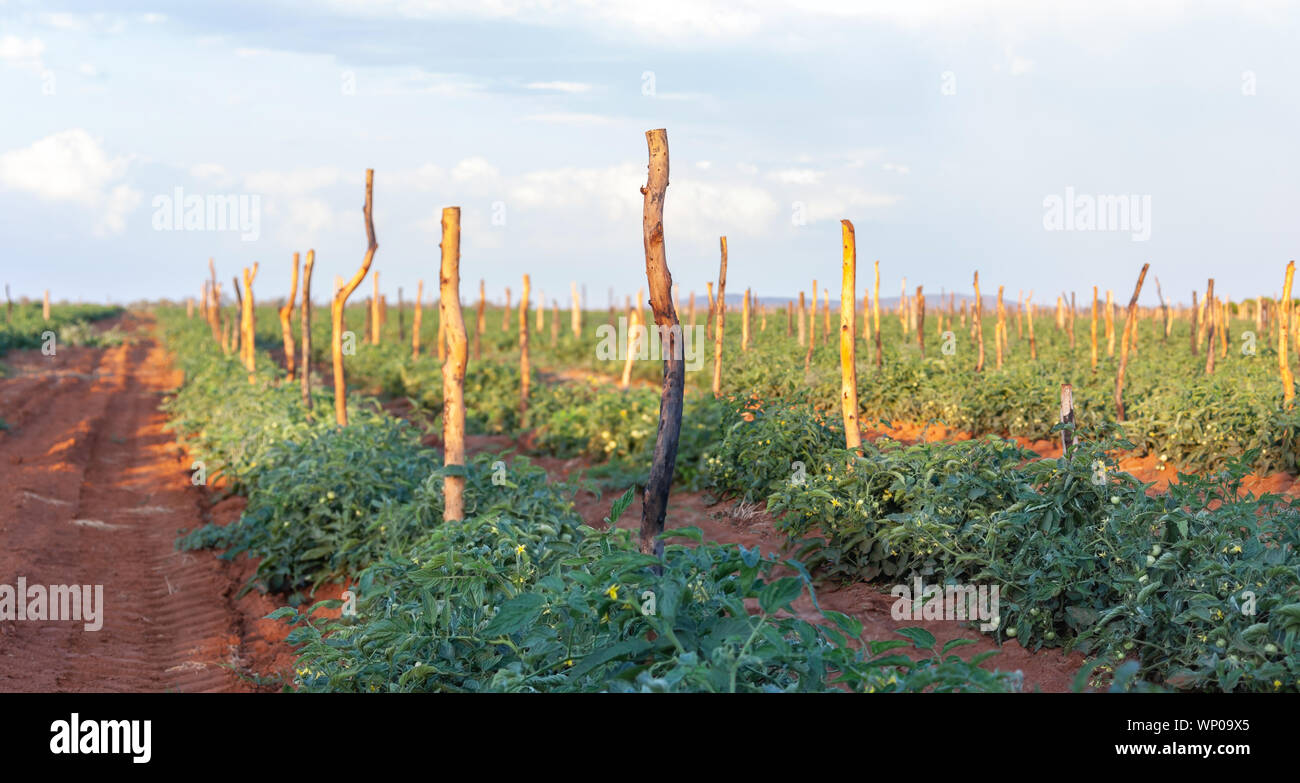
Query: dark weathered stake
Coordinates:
[655,505]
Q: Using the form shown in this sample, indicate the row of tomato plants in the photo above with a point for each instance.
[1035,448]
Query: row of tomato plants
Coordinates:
[1175,410]
[518,596]
[1199,585]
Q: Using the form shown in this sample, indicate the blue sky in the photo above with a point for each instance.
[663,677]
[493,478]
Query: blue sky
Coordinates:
[939,128]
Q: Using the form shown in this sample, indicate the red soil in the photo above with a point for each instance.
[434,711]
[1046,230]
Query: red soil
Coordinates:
[93,491]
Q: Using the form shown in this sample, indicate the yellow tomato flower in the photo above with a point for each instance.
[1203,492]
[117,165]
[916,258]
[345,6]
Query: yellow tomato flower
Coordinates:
[612,592]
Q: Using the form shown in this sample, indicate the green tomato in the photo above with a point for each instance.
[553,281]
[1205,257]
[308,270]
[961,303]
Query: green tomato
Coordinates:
[1270,648]
[1114,500]
[1011,632]
[1220,643]
[1156,550]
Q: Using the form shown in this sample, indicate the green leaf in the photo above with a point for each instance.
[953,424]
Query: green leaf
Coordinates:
[514,615]
[779,594]
[620,505]
[921,638]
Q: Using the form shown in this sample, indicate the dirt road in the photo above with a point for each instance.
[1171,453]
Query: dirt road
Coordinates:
[93,492]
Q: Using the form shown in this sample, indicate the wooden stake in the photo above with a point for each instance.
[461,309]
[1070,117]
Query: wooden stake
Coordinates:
[286,326]
[1129,322]
[305,373]
[979,324]
[453,369]
[1068,440]
[523,347]
[341,300]
[1211,323]
[1284,333]
[722,312]
[654,505]
[848,338]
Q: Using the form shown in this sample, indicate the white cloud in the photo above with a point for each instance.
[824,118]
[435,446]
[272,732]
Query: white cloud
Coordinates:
[121,202]
[569,87]
[475,170]
[797,176]
[297,182]
[897,168]
[72,166]
[22,53]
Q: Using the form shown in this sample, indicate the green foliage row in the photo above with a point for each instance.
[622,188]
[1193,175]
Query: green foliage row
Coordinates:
[519,595]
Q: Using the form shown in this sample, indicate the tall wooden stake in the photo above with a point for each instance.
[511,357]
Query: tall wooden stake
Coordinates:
[453,369]
[654,507]
[341,300]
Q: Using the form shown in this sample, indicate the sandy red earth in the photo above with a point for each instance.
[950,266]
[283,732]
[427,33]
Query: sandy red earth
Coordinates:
[93,491]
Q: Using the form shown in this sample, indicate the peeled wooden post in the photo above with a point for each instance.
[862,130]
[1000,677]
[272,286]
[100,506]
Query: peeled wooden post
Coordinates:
[416,318]
[45,306]
[1225,323]
[374,311]
[305,373]
[555,321]
[654,507]
[1071,321]
[789,319]
[1124,344]
[237,334]
[1211,324]
[708,322]
[340,301]
[920,318]
[1164,310]
[826,313]
[744,323]
[1196,313]
[576,317]
[286,326]
[875,318]
[633,346]
[541,311]
[247,322]
[721,306]
[1029,317]
[691,307]
[812,328]
[1283,336]
[1068,440]
[979,324]
[453,369]
[1094,327]
[848,338]
[505,314]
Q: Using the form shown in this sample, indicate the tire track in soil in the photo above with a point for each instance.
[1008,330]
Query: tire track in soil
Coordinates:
[93,491]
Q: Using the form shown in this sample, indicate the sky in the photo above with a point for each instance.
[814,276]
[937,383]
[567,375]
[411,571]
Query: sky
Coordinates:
[1051,146]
